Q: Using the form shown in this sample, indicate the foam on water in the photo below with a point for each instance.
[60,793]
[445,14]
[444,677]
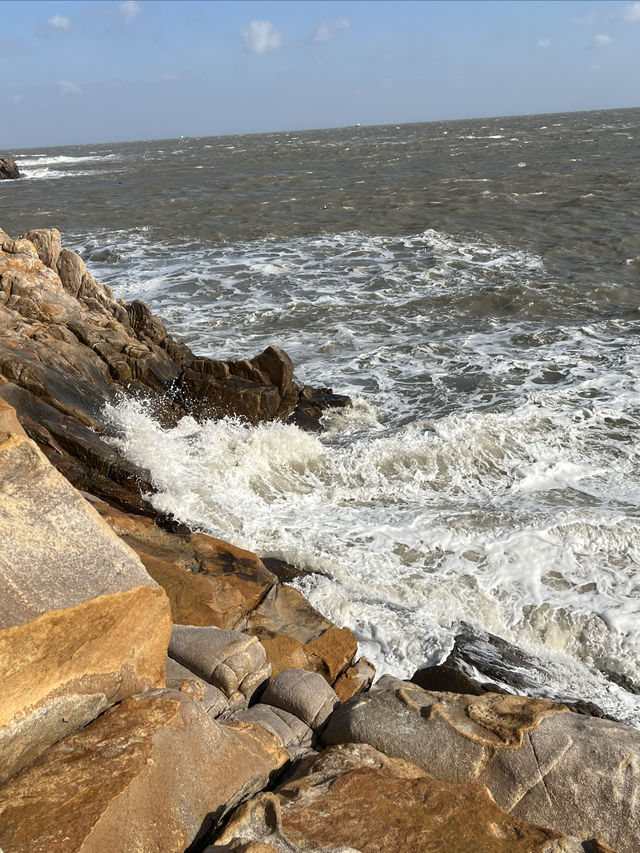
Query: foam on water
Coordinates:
[487,474]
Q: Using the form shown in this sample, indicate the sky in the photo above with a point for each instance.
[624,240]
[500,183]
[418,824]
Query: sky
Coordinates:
[102,71]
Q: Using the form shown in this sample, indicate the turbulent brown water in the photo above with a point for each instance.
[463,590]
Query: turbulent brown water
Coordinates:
[475,287]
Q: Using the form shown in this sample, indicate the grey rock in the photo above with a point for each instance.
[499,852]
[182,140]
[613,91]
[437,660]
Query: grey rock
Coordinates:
[211,698]
[8,169]
[304,694]
[236,663]
[289,729]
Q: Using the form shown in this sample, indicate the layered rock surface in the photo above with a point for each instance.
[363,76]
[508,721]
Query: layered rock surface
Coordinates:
[573,773]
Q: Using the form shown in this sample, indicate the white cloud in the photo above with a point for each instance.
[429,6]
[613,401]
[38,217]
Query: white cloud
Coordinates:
[129,11]
[327,30]
[60,22]
[631,13]
[261,37]
[543,43]
[601,40]
[68,87]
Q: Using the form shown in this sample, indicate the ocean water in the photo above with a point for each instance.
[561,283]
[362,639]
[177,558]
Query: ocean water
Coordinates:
[475,287]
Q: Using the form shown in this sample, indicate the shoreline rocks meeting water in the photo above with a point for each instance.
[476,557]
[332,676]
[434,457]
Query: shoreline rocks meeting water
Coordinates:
[8,169]
[165,690]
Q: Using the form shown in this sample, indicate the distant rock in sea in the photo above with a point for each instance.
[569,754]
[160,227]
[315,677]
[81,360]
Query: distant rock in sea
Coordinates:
[8,168]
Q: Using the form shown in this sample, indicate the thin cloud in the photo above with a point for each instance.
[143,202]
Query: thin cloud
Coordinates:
[631,13]
[261,37]
[602,40]
[129,11]
[60,22]
[328,29]
[543,43]
[68,87]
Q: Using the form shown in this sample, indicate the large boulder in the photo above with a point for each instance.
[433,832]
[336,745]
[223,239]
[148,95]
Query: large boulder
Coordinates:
[304,694]
[8,168]
[82,625]
[579,775]
[354,798]
[144,776]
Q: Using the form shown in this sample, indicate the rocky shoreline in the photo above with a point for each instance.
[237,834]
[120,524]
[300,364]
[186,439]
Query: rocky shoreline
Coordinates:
[165,690]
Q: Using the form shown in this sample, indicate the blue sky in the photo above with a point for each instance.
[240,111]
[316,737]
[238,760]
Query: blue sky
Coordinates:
[81,72]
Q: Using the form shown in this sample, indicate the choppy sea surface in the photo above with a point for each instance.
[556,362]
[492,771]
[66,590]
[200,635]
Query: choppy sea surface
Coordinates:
[475,287]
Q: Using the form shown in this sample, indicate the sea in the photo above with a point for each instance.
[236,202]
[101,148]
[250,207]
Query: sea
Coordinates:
[474,286]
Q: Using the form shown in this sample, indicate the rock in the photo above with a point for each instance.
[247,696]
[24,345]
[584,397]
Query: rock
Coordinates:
[354,798]
[294,735]
[8,168]
[208,581]
[312,403]
[211,698]
[48,243]
[355,679]
[55,550]
[294,635]
[62,670]
[285,572]
[304,694]
[448,679]
[144,776]
[579,775]
[233,662]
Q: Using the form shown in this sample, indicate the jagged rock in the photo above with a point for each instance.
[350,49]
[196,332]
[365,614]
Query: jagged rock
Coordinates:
[144,776]
[304,694]
[208,581]
[354,798]
[211,698]
[8,168]
[48,243]
[579,775]
[294,635]
[285,572]
[235,663]
[355,679]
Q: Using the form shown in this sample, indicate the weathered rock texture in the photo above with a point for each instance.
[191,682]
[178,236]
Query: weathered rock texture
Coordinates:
[354,798]
[144,776]
[573,773]
[65,668]
[8,168]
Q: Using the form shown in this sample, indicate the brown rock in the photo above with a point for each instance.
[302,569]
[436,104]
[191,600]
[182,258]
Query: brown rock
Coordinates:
[356,798]
[8,169]
[63,669]
[48,243]
[55,550]
[336,648]
[355,679]
[144,776]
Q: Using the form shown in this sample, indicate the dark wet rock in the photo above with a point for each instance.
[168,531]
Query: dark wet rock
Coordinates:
[285,572]
[312,404]
[8,168]
[450,680]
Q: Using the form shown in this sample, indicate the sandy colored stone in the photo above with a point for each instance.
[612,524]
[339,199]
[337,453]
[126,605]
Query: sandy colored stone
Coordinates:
[577,774]
[62,670]
[336,648]
[55,550]
[355,679]
[142,777]
[356,798]
[48,243]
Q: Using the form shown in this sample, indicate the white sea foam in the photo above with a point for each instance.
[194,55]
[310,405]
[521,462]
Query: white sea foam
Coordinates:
[486,474]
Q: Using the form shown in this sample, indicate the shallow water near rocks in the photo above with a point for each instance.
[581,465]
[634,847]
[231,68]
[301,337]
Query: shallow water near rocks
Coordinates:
[474,286]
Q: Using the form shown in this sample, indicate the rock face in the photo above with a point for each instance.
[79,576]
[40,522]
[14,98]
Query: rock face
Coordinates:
[8,168]
[354,798]
[532,754]
[144,776]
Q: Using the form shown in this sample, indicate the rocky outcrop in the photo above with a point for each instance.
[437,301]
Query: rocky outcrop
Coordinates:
[144,776]
[532,754]
[8,168]
[354,798]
